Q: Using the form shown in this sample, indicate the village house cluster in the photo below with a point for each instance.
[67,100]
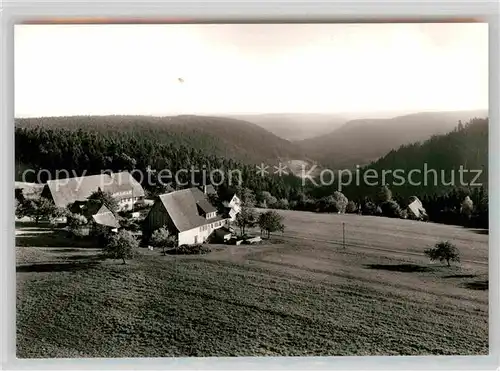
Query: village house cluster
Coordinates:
[188,213]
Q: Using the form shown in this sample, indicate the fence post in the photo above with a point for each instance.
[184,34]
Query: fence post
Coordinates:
[343,234]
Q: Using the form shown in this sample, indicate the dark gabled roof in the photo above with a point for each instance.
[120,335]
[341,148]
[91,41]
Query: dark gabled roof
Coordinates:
[69,190]
[124,181]
[106,219]
[93,207]
[98,212]
[182,206]
[210,190]
[202,201]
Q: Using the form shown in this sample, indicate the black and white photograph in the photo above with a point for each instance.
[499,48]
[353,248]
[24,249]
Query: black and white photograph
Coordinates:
[251,189]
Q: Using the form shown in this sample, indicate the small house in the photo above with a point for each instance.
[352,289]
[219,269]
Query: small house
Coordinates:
[99,217]
[187,213]
[233,206]
[416,210]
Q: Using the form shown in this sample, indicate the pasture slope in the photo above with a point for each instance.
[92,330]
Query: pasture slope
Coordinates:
[303,294]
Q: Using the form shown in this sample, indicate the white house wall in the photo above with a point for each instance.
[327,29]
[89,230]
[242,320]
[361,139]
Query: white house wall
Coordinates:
[188,237]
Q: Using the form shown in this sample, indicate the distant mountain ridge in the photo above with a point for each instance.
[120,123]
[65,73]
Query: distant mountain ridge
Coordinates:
[359,142]
[295,126]
[230,138]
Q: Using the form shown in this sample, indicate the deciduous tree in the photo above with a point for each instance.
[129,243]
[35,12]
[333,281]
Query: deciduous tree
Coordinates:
[271,221]
[122,245]
[443,251]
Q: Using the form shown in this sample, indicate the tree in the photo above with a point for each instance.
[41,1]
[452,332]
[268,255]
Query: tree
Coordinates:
[467,207]
[246,196]
[351,207]
[390,209]
[19,208]
[58,213]
[443,251]
[271,221]
[107,200]
[246,218]
[369,208]
[384,194]
[36,209]
[266,199]
[162,238]
[75,223]
[122,245]
[340,202]
[282,204]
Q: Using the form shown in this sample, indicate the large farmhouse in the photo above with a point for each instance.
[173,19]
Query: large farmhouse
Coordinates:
[122,186]
[187,213]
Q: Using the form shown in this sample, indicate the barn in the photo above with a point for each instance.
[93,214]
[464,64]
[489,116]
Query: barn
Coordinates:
[122,186]
[186,213]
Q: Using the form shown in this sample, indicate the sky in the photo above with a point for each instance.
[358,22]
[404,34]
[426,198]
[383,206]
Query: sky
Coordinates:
[63,70]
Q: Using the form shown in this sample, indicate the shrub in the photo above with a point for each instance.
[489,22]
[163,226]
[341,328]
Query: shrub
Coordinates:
[189,250]
[37,209]
[351,207]
[384,194]
[267,200]
[126,222]
[443,251]
[77,224]
[162,238]
[369,208]
[390,209]
[282,204]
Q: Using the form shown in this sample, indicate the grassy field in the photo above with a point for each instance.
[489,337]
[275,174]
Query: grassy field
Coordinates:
[302,295]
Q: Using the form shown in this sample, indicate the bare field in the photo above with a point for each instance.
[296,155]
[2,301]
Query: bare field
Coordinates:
[304,296]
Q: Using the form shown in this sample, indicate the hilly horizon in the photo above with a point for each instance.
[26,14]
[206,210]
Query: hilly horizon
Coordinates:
[299,126]
[361,141]
[230,138]
[357,142]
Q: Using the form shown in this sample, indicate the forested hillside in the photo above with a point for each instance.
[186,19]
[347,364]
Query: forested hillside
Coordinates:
[87,150]
[428,170]
[440,156]
[229,138]
[360,142]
